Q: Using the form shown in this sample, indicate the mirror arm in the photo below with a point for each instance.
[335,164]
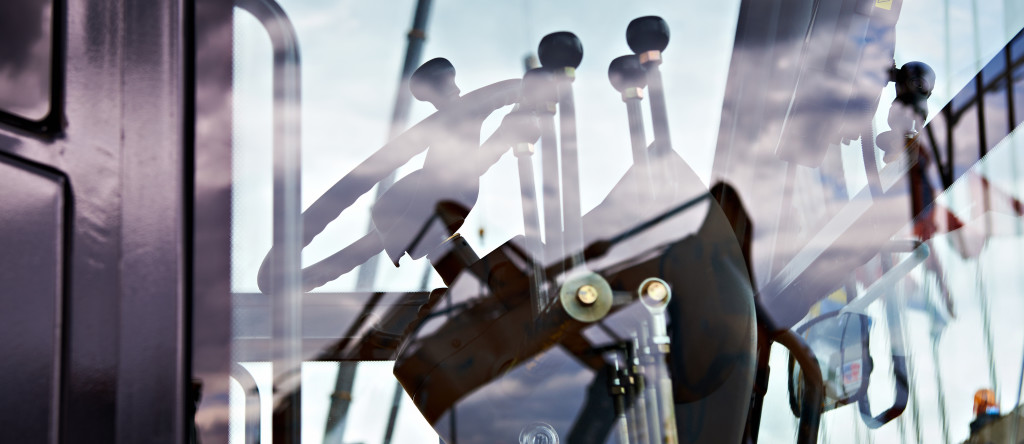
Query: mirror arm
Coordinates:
[883,286]
[814,394]
[902,246]
[864,405]
[899,366]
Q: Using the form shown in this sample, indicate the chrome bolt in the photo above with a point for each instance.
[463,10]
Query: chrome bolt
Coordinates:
[586,294]
[656,291]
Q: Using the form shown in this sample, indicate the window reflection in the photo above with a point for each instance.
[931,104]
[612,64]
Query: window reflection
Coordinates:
[844,134]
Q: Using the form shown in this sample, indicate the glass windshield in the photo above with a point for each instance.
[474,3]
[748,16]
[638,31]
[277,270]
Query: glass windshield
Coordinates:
[586,222]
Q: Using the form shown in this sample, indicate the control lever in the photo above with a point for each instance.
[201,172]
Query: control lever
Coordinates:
[561,53]
[541,89]
[585,295]
[434,82]
[523,122]
[648,37]
[628,77]
[914,84]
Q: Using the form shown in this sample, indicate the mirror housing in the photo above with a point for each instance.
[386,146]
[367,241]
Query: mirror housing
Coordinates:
[841,344]
[840,341]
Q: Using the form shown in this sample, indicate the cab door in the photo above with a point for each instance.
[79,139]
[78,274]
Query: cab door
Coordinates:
[93,146]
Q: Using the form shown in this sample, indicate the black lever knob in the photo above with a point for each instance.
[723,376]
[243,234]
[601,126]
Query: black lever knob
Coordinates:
[434,82]
[626,72]
[648,33]
[915,78]
[914,84]
[560,50]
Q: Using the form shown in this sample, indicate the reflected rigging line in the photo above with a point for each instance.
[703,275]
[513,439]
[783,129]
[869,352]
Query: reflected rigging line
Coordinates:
[367,274]
[399,120]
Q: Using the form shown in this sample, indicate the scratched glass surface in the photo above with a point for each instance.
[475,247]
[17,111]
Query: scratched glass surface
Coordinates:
[598,222]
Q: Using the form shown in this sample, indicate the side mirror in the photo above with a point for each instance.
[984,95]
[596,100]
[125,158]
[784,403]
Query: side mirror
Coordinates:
[840,343]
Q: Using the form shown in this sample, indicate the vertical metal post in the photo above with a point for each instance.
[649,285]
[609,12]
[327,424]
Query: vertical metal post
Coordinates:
[286,262]
[396,400]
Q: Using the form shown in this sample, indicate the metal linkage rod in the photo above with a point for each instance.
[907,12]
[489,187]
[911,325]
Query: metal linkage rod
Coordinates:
[552,183]
[639,391]
[541,91]
[648,366]
[526,130]
[617,390]
[655,295]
